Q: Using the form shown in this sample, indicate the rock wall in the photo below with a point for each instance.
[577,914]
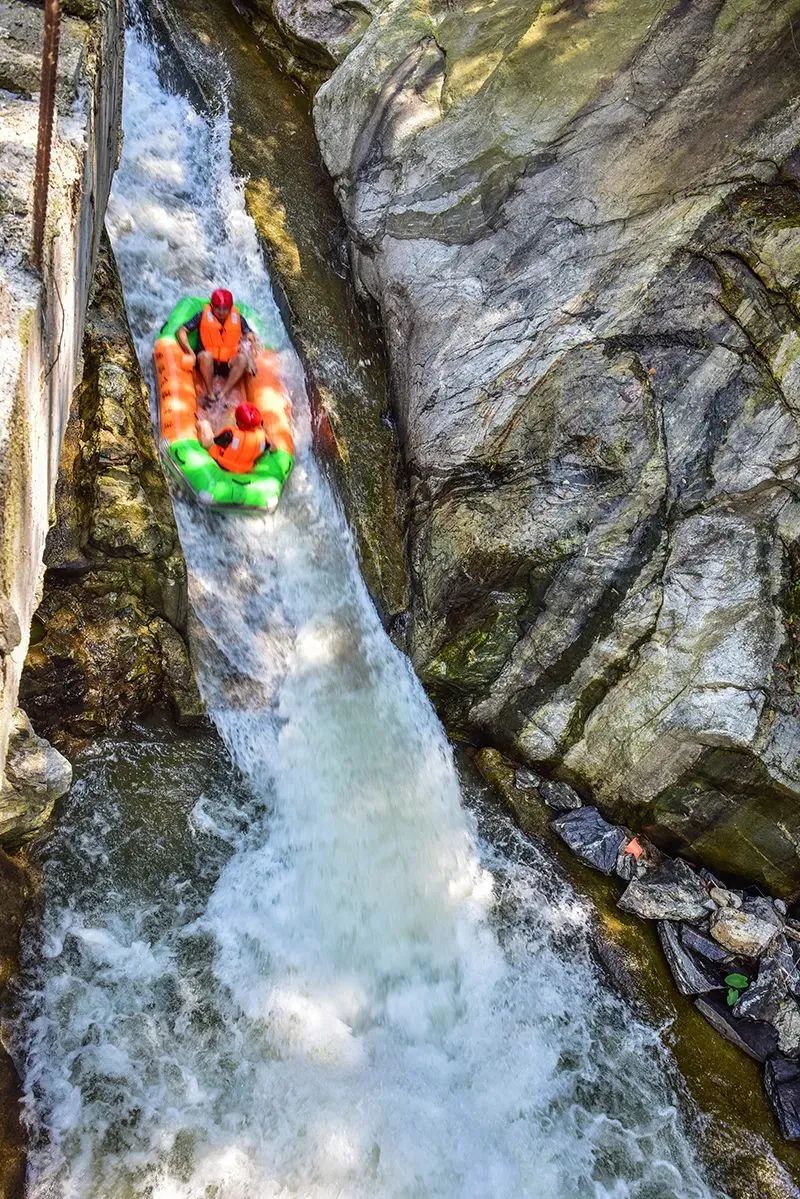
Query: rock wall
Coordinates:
[581,222]
[107,643]
[41,319]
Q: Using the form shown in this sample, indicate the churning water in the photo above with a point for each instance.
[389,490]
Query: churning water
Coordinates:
[310,977]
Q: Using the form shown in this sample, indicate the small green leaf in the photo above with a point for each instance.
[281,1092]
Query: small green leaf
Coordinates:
[739,981]
[733,995]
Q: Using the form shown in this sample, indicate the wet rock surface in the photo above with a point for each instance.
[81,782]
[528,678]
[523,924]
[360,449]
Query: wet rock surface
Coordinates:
[782,1080]
[15,893]
[108,641]
[692,975]
[672,891]
[591,838]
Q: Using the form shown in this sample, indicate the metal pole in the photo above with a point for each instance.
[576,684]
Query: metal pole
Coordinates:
[47,99]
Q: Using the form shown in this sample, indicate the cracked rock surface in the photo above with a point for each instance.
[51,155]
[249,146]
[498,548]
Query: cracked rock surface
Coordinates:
[581,223]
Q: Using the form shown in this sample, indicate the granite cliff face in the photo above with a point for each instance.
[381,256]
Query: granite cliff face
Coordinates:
[41,327]
[581,222]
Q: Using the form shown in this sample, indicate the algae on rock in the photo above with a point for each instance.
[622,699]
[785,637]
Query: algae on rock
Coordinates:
[108,643]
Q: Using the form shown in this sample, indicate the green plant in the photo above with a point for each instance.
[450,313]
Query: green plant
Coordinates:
[736,983]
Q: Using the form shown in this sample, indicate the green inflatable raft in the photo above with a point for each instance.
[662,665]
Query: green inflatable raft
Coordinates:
[178,387]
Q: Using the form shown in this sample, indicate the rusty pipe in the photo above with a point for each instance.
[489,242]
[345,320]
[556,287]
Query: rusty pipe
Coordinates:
[47,100]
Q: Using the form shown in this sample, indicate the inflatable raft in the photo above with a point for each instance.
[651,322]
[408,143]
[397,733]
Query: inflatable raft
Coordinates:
[179,387]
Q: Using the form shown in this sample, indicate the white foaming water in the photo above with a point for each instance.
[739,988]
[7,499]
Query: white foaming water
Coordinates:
[328,994]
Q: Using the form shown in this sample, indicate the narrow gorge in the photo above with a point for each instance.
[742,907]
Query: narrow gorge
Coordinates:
[303,814]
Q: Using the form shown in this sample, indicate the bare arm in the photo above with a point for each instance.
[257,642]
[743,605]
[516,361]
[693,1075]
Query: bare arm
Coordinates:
[183,341]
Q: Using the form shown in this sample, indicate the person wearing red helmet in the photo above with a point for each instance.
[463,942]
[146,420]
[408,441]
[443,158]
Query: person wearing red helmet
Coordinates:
[226,341]
[236,449]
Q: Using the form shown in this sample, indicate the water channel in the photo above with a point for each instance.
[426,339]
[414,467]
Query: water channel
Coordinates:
[299,960]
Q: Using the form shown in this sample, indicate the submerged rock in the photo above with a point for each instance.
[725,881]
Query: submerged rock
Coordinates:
[742,932]
[591,838]
[672,891]
[691,976]
[782,1082]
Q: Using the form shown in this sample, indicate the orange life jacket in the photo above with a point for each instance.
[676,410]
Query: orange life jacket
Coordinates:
[221,340]
[245,448]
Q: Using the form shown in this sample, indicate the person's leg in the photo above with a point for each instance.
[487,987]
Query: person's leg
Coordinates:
[205,364]
[205,434]
[236,368]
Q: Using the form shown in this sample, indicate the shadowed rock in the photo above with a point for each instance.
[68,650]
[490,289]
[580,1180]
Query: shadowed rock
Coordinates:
[559,795]
[696,941]
[782,1082]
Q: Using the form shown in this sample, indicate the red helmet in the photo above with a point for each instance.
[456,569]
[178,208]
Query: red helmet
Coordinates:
[247,416]
[221,298]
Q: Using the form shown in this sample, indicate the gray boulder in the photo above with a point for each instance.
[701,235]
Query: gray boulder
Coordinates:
[672,891]
[591,838]
[777,978]
[36,776]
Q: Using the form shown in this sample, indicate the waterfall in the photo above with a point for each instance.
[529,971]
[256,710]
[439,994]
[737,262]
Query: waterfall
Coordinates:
[314,975]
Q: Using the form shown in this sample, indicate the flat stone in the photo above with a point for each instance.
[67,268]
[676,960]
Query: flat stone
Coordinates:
[670,892]
[559,795]
[782,1083]
[690,975]
[742,932]
[705,946]
[777,978]
[591,838]
[755,1038]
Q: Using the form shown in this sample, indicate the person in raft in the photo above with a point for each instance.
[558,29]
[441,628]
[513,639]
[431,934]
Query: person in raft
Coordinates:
[227,343]
[236,449]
